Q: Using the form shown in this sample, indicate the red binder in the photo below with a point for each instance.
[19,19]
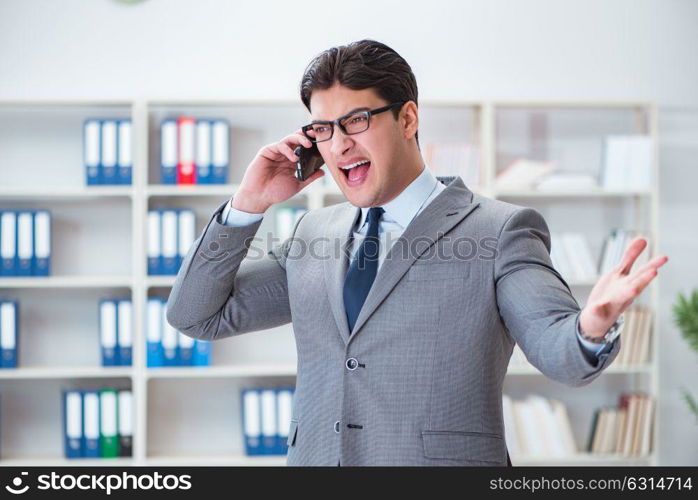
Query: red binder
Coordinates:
[186,169]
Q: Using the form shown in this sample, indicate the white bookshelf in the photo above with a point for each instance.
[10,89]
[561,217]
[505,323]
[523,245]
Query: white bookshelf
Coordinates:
[191,416]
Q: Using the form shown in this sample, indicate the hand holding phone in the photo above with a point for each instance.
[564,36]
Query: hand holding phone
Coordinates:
[309,161]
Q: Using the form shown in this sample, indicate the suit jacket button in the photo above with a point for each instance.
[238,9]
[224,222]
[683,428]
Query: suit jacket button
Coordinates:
[352,363]
[336,426]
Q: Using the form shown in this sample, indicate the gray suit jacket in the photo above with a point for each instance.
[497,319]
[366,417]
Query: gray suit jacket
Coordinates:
[468,278]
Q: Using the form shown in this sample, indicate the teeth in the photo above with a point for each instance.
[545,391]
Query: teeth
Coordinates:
[354,164]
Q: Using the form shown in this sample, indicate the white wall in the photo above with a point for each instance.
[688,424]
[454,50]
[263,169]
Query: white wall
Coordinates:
[546,49]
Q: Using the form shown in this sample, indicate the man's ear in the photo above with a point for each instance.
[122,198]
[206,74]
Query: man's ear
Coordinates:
[409,119]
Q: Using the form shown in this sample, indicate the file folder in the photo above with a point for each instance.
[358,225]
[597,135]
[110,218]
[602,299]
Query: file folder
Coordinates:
[9,334]
[42,243]
[109,440]
[169,242]
[186,173]
[221,151]
[154,334]
[107,332]
[284,411]
[185,345]
[91,139]
[169,342]
[25,243]
[125,421]
[90,417]
[252,421]
[125,156]
[125,332]
[109,151]
[202,353]
[72,424]
[168,152]
[154,243]
[204,174]
[8,242]
[269,417]
[186,234]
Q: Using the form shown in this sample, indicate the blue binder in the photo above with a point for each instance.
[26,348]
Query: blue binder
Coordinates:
[8,242]
[220,151]
[108,327]
[204,143]
[170,347]
[124,332]
[109,148]
[154,333]
[202,353]
[9,334]
[170,255]
[90,418]
[284,409]
[91,150]
[125,152]
[154,250]
[186,233]
[25,243]
[252,421]
[42,243]
[74,439]
[185,344]
[168,151]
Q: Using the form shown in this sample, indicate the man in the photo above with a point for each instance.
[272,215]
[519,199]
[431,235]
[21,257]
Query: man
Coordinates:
[403,332]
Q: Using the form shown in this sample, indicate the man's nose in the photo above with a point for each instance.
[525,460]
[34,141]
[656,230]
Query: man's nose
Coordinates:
[339,142]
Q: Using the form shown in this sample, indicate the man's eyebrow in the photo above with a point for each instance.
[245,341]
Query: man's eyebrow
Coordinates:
[362,108]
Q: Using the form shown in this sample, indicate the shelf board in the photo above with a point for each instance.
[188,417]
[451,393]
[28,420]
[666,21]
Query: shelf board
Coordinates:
[66,194]
[160,281]
[583,458]
[66,282]
[224,190]
[589,193]
[48,461]
[220,460]
[60,372]
[644,368]
[258,370]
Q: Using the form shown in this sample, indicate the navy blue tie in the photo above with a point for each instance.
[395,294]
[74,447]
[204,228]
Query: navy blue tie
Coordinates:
[363,269]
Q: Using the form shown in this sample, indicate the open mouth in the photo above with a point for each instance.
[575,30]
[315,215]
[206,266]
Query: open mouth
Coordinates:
[356,172]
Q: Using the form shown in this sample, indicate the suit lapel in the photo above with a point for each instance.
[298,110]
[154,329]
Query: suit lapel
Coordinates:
[338,231]
[444,212]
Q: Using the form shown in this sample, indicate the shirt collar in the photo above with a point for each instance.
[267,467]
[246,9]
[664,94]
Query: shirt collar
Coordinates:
[403,208]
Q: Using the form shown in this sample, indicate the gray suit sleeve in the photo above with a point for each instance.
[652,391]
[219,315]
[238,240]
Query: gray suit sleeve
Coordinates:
[536,304]
[222,291]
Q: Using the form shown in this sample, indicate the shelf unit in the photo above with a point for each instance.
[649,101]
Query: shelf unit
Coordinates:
[191,415]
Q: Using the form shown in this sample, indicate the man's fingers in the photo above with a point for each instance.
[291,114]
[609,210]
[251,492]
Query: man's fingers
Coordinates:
[634,249]
[655,263]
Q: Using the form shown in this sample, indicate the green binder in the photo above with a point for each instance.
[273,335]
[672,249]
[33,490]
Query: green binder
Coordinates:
[108,423]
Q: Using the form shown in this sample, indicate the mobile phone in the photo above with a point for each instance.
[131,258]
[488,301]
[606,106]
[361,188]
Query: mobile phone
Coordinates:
[309,160]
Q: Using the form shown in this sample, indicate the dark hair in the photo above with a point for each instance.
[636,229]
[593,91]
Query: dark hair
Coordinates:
[361,65]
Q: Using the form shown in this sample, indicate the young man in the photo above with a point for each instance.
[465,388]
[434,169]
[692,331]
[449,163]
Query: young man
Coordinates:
[404,339]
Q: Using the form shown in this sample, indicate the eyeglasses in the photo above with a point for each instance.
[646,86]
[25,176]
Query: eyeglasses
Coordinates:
[351,123]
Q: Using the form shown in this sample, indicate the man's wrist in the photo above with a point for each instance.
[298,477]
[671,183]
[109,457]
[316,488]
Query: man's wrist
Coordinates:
[241,202]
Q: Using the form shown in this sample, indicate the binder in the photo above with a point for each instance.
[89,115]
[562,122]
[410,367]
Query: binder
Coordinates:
[42,243]
[221,151]
[107,332]
[154,334]
[252,421]
[125,153]
[169,342]
[8,242]
[185,345]
[72,424]
[168,152]
[186,173]
[284,412]
[109,440]
[169,242]
[125,332]
[154,243]
[204,174]
[90,417]
[269,418]
[125,422]
[91,153]
[202,353]
[9,334]
[25,243]
[109,151]
[186,234]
